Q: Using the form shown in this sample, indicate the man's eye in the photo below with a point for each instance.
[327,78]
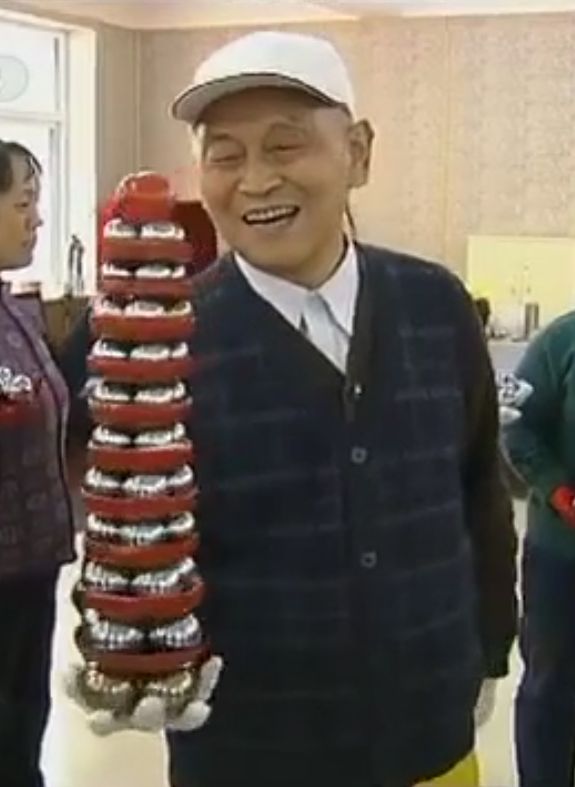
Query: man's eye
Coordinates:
[286,148]
[224,156]
[229,159]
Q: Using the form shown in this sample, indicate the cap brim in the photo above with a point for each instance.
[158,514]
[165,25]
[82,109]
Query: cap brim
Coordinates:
[190,105]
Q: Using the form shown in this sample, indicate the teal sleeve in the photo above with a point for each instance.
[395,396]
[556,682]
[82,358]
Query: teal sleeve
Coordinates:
[530,442]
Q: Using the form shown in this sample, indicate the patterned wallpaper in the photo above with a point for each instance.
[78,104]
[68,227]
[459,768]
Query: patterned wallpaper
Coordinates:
[475,122]
[511,144]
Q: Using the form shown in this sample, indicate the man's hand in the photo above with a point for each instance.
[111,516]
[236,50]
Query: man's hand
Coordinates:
[486,702]
[152,712]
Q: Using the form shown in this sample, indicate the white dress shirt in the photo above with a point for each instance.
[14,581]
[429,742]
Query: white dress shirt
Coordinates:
[325,316]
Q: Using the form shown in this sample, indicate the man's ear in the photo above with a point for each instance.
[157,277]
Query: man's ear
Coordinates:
[361,138]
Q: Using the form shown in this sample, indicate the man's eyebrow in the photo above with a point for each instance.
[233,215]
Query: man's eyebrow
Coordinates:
[216,136]
[288,124]
[287,121]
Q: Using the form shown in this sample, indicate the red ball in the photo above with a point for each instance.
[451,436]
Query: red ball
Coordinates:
[145,198]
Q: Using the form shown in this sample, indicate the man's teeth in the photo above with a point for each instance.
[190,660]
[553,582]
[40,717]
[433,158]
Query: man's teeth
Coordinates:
[269,215]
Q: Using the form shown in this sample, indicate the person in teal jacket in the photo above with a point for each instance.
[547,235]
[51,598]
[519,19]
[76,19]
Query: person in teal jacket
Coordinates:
[541,446]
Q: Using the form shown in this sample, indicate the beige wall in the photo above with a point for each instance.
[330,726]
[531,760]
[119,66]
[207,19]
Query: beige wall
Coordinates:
[118,106]
[475,121]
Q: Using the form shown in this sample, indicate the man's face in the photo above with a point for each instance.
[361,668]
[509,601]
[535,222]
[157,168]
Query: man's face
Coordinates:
[19,217]
[276,169]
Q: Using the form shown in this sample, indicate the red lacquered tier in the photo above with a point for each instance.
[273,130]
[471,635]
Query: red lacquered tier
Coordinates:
[140,460]
[178,289]
[153,556]
[141,416]
[143,329]
[149,664]
[137,609]
[135,251]
[145,372]
[139,509]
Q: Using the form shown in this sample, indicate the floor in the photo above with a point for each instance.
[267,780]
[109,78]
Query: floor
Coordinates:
[73,757]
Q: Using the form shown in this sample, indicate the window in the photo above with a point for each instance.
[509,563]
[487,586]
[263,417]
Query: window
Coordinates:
[49,106]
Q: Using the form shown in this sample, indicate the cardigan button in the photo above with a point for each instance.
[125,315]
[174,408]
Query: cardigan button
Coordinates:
[359,455]
[368,560]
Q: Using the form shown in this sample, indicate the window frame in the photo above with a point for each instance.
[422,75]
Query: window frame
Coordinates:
[57,125]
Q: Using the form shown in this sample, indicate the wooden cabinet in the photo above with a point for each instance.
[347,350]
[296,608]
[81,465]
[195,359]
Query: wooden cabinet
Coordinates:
[514,271]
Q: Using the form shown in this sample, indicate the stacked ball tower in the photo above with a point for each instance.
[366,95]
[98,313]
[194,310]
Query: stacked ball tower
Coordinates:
[145,655]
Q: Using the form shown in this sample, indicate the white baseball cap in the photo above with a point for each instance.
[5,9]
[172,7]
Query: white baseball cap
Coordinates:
[268,59]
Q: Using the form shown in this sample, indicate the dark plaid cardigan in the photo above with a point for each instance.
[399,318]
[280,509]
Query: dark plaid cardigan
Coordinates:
[357,539]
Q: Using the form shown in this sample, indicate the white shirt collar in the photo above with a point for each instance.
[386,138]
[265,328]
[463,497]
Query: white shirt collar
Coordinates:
[340,291]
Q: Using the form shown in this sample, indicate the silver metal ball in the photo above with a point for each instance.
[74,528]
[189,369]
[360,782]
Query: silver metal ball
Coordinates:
[151,352]
[103,435]
[146,485]
[111,270]
[162,230]
[155,270]
[179,272]
[97,577]
[116,228]
[104,348]
[110,392]
[142,308]
[160,394]
[167,581]
[105,483]
[115,637]
[102,692]
[181,526]
[181,479]
[157,438]
[175,690]
[107,307]
[144,534]
[180,350]
[184,633]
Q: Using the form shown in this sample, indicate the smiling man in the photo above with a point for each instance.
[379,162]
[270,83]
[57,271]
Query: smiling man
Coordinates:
[285,217]
[357,538]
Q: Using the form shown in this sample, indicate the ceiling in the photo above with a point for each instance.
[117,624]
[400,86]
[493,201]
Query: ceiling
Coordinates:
[146,14]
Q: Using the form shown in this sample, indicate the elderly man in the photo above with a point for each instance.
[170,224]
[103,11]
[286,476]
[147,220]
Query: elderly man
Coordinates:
[357,539]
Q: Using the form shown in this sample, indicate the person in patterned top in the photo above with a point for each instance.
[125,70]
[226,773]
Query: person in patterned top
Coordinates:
[36,529]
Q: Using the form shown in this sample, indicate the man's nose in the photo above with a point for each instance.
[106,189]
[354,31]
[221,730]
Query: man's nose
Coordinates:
[259,178]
